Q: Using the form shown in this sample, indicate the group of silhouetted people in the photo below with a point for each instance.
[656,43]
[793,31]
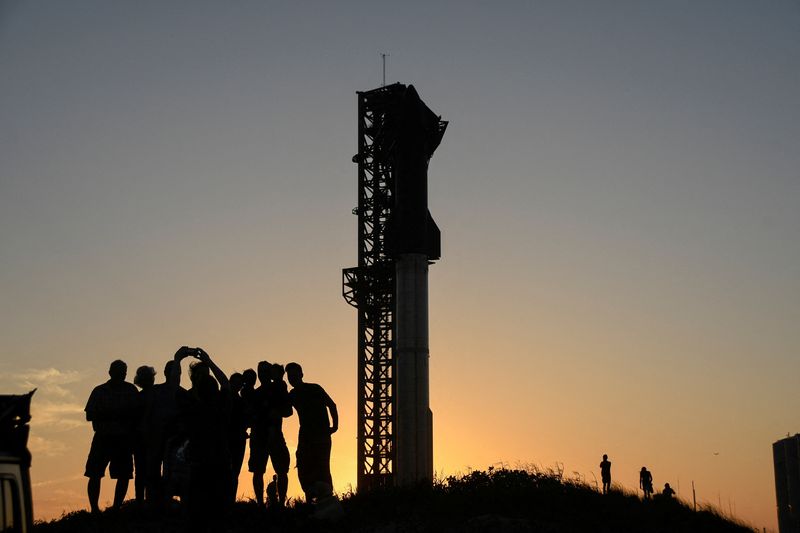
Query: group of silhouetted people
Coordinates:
[191,443]
[645,481]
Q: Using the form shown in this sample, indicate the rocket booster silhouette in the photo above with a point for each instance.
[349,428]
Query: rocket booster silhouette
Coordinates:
[413,240]
[418,132]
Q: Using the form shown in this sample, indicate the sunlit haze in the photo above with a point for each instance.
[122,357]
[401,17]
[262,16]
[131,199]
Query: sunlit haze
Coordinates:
[618,193]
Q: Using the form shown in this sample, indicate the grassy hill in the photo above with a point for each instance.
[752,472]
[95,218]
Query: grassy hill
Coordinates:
[501,500]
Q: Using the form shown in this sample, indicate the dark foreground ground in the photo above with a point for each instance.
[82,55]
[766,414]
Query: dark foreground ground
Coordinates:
[513,501]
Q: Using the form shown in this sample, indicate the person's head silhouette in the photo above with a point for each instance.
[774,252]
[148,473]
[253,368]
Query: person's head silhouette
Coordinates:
[249,378]
[263,372]
[145,377]
[170,373]
[236,382]
[276,372]
[197,371]
[117,371]
[294,372]
[605,457]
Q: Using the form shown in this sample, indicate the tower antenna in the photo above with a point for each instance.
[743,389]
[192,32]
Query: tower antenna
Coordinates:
[383,60]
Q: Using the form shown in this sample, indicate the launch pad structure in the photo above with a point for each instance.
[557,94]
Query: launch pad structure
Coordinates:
[397,240]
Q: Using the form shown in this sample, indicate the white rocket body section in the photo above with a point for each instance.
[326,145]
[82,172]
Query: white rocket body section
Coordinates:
[414,429]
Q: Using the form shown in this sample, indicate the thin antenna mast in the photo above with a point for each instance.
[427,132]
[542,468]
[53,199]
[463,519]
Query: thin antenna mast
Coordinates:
[383,59]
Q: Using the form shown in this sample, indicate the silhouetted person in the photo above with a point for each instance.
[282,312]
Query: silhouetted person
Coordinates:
[144,379]
[271,404]
[314,439]
[605,473]
[161,424]
[237,430]
[279,408]
[272,493]
[646,483]
[247,394]
[667,493]
[112,411]
[248,381]
[208,456]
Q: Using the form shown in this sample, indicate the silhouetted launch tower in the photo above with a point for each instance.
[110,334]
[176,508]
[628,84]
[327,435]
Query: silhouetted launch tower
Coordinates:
[397,240]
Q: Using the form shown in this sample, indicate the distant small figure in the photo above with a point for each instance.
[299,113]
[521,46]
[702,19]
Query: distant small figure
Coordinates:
[646,482]
[272,493]
[314,439]
[667,493]
[112,409]
[605,474]
[145,379]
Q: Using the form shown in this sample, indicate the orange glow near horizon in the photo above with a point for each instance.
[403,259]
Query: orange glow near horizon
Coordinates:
[517,427]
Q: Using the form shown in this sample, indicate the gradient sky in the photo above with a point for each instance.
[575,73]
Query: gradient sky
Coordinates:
[618,194]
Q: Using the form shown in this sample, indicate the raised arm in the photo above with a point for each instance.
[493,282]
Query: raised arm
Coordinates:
[174,378]
[218,373]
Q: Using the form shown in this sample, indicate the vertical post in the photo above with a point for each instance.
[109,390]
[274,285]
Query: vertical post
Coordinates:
[694,498]
[361,438]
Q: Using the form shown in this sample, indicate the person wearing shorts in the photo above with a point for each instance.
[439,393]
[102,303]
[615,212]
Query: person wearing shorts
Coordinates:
[112,409]
[267,443]
[270,405]
[313,406]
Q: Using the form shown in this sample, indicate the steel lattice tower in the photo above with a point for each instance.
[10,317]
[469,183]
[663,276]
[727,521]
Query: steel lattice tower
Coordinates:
[371,286]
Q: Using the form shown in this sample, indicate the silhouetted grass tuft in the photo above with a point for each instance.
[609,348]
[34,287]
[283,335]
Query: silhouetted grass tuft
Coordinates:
[497,500]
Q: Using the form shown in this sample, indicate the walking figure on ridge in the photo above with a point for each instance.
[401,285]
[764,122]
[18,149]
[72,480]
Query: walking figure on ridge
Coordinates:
[605,474]
[646,482]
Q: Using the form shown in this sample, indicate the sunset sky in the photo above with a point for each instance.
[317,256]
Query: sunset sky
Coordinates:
[618,193]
